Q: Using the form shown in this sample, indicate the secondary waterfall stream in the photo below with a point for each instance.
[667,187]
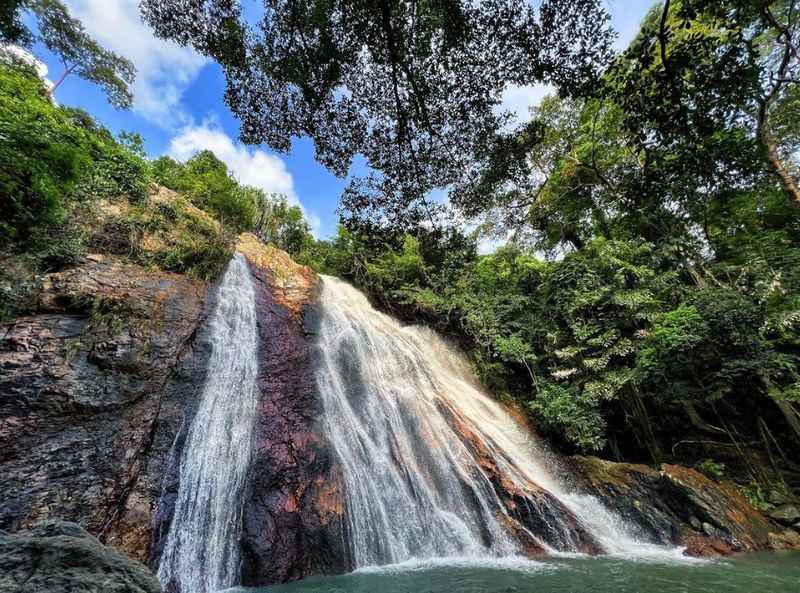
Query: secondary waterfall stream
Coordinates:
[414,488]
[201,553]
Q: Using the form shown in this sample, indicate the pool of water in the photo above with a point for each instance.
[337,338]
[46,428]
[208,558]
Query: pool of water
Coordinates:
[752,573]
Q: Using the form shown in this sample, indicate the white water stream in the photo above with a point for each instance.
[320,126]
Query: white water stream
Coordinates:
[201,553]
[414,490]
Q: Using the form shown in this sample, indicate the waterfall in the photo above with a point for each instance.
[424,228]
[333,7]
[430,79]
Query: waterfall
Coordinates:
[414,489]
[201,553]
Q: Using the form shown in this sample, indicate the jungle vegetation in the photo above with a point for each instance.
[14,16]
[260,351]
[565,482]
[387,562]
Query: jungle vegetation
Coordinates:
[625,264]
[645,302]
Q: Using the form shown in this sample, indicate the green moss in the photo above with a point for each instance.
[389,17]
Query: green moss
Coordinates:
[107,318]
[19,285]
[757,495]
[711,469]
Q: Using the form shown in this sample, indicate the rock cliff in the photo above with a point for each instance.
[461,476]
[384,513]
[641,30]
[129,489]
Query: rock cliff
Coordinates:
[86,413]
[55,557]
[98,386]
[675,505]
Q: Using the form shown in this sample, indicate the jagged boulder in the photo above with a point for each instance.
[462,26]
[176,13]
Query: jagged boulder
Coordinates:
[675,505]
[786,514]
[63,558]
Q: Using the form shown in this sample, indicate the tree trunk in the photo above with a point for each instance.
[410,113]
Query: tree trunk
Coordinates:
[57,84]
[791,415]
[697,421]
[768,142]
[787,181]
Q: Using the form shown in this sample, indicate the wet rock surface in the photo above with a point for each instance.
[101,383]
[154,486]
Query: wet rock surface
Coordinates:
[63,558]
[675,505]
[786,514]
[86,414]
[294,506]
[531,509]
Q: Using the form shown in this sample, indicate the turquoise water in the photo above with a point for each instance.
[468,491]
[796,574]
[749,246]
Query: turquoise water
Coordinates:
[753,573]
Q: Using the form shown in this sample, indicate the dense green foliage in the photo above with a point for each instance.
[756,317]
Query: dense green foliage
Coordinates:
[410,86]
[67,185]
[41,156]
[280,224]
[208,183]
[55,159]
[12,29]
[666,322]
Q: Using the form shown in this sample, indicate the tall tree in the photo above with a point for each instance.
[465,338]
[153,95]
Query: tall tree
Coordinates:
[778,42]
[700,85]
[411,85]
[701,107]
[80,54]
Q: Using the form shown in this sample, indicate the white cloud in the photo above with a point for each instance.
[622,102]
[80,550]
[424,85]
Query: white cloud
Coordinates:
[23,55]
[164,68]
[250,166]
[520,99]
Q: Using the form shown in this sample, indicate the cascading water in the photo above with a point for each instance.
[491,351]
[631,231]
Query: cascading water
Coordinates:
[414,488]
[201,553]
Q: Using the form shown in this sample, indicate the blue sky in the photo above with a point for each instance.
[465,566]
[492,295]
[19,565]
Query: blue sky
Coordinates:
[179,108]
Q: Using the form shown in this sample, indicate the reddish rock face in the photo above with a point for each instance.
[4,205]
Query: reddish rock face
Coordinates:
[293,509]
[86,418]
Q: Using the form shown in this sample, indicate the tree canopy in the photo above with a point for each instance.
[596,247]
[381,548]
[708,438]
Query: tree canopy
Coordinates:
[664,323]
[411,86]
[66,37]
[12,29]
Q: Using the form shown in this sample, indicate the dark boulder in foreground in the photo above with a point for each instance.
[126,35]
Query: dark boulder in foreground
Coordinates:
[63,558]
[675,505]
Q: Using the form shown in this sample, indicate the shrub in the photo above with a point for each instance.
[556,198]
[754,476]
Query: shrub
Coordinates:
[42,155]
[58,247]
[18,285]
[574,415]
[116,172]
[280,224]
[711,468]
[170,233]
[205,180]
